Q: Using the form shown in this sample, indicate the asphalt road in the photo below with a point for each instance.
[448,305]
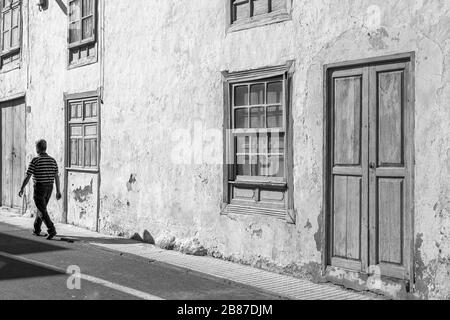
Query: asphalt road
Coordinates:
[35,268]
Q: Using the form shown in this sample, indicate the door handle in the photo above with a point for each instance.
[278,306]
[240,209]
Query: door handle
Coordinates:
[372,165]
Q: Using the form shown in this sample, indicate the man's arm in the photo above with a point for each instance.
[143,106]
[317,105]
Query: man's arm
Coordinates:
[58,190]
[24,184]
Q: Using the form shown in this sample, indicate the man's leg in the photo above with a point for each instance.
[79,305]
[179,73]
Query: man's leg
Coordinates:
[41,197]
[48,222]
[37,224]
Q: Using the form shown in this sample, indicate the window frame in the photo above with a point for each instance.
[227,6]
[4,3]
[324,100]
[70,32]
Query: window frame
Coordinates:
[82,97]
[83,42]
[15,4]
[230,179]
[258,20]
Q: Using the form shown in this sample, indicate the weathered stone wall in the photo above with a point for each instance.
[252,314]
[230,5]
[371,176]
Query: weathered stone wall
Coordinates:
[163,114]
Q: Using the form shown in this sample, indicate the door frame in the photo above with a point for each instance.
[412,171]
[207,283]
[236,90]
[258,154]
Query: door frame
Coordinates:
[408,57]
[19,96]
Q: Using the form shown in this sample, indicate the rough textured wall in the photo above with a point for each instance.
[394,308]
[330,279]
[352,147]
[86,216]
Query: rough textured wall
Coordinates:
[174,100]
[163,114]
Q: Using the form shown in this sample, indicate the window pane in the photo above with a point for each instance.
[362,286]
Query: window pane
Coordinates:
[7,21]
[254,165]
[243,166]
[87,153]
[80,152]
[94,152]
[263,166]
[257,117]
[241,10]
[15,17]
[278,5]
[6,3]
[241,96]
[87,110]
[74,11]
[15,37]
[94,109]
[79,110]
[275,117]
[276,143]
[75,32]
[260,7]
[73,111]
[241,118]
[73,151]
[88,7]
[257,93]
[6,40]
[274,92]
[262,144]
[88,28]
[243,144]
[276,166]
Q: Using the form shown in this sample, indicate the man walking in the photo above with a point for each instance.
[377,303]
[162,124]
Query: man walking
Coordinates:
[44,171]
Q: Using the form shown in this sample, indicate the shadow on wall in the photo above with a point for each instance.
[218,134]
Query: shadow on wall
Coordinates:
[62,5]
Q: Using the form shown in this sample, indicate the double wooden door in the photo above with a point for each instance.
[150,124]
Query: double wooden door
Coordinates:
[13,151]
[370,169]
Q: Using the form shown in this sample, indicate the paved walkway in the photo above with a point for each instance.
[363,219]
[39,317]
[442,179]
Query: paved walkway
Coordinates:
[284,286]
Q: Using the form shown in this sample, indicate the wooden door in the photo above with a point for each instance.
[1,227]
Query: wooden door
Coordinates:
[390,169]
[349,170]
[13,151]
[370,198]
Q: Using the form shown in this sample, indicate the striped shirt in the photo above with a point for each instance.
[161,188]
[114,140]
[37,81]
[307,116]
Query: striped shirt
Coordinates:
[43,168]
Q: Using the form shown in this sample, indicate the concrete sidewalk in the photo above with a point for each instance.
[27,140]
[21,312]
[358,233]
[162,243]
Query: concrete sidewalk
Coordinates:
[273,283]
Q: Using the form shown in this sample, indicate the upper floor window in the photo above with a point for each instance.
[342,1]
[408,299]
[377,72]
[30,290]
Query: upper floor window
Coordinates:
[10,32]
[82,32]
[251,13]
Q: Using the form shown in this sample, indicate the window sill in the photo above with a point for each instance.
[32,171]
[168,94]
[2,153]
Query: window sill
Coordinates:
[83,170]
[259,21]
[281,214]
[260,183]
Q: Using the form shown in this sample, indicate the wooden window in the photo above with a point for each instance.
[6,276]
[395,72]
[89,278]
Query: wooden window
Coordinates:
[11,28]
[83,133]
[82,31]
[259,129]
[257,153]
[248,13]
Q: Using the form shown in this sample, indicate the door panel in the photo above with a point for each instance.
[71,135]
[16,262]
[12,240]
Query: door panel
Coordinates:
[349,170]
[347,217]
[390,217]
[347,121]
[390,111]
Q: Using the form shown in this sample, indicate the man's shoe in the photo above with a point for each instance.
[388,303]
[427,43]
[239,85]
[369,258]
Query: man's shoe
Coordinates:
[37,234]
[51,235]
